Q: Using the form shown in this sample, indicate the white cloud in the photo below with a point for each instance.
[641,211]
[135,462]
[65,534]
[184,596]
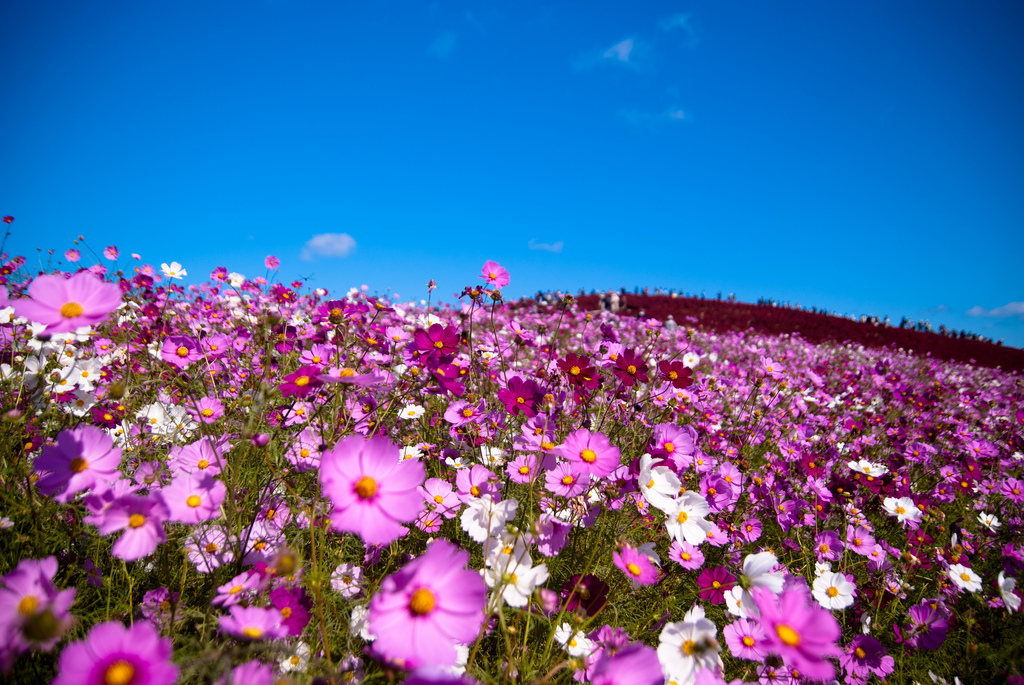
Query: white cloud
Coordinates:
[684,25]
[547,247]
[328,245]
[1014,309]
[443,45]
[620,51]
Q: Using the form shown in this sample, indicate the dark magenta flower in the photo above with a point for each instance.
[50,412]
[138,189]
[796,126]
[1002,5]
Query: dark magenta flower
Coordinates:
[437,340]
[114,655]
[294,605]
[866,656]
[714,583]
[520,396]
[676,373]
[579,371]
[301,382]
[630,368]
[587,593]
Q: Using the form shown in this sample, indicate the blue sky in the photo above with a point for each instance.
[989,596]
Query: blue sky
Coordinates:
[863,157]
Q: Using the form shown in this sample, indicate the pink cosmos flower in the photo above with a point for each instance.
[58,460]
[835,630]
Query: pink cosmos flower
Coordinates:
[253,623]
[194,497]
[686,555]
[33,613]
[271,262]
[111,252]
[634,664]
[207,410]
[742,637]
[373,492]
[294,605]
[65,305]
[866,656]
[427,607]
[201,456]
[72,255]
[251,672]
[590,453]
[495,274]
[141,519]
[236,589]
[798,630]
[636,565]
[522,469]
[84,458]
[180,350]
[565,481]
[113,654]
[714,583]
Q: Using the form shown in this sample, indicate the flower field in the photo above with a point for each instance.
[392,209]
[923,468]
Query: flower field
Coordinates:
[246,481]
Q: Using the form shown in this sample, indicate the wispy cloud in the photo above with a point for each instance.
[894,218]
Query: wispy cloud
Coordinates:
[669,116]
[547,247]
[681,24]
[328,245]
[1013,309]
[630,52]
[620,51]
[443,45]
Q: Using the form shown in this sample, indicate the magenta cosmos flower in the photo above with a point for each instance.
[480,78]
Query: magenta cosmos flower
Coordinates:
[84,458]
[590,453]
[65,305]
[714,583]
[636,565]
[495,274]
[799,631]
[432,604]
[141,519]
[373,491]
[115,655]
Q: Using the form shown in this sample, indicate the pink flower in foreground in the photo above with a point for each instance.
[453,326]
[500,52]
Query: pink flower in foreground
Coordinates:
[301,382]
[253,623]
[427,607]
[181,350]
[636,565]
[634,664]
[799,631]
[141,519]
[114,655]
[373,492]
[495,274]
[65,305]
[84,458]
[194,497]
[33,613]
[72,255]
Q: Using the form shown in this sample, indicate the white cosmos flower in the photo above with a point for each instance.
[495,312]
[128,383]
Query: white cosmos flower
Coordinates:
[1010,598]
[903,509]
[236,279]
[740,603]
[484,517]
[173,270]
[574,641]
[491,456]
[689,646]
[690,360]
[964,578]
[686,522]
[412,411]
[833,591]
[867,468]
[757,569]
[989,521]
[658,484]
[296,661]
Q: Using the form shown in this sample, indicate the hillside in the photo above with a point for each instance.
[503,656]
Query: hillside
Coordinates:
[721,315]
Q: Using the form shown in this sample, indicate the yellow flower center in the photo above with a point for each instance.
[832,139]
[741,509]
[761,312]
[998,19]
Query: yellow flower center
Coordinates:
[303,453]
[366,487]
[589,456]
[193,501]
[748,641]
[689,647]
[787,635]
[682,517]
[203,463]
[964,577]
[438,344]
[71,309]
[575,370]
[523,470]
[136,520]
[211,547]
[120,672]
[207,412]
[27,605]
[669,447]
[286,612]
[832,591]
[475,491]
[860,652]
[235,590]
[422,602]
[547,445]
[567,480]
[633,568]
[901,510]
[302,381]
[78,464]
[715,584]
[467,412]
[252,632]
[182,351]
[685,556]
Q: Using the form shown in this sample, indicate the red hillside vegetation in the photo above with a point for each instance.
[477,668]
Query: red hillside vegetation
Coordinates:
[719,315]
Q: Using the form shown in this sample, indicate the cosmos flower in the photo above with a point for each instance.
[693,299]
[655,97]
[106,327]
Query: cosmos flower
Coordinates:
[686,522]
[84,458]
[634,664]
[173,270]
[253,623]
[637,566]
[429,606]
[590,453]
[372,491]
[964,578]
[495,274]
[65,305]
[833,591]
[141,519]
[803,634]
[112,654]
